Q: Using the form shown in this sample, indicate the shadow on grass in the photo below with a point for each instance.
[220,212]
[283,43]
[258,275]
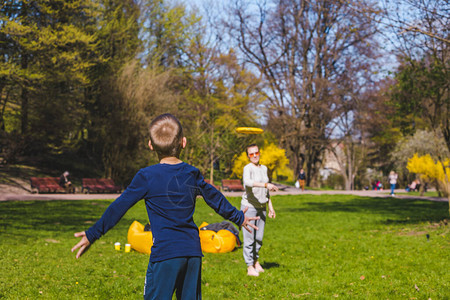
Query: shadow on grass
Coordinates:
[9,175]
[270,265]
[396,210]
[25,218]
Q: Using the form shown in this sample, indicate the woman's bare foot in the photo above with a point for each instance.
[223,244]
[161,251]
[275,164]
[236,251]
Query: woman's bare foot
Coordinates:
[258,267]
[251,271]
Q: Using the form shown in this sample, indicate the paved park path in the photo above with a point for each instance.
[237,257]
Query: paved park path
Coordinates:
[5,196]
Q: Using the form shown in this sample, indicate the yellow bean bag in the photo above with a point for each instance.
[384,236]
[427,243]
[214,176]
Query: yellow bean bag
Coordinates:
[212,242]
[216,242]
[139,239]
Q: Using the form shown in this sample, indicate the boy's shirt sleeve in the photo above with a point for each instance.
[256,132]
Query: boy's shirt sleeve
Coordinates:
[115,211]
[217,201]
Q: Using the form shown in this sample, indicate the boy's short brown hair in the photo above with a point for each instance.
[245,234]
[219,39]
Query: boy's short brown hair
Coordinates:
[166,135]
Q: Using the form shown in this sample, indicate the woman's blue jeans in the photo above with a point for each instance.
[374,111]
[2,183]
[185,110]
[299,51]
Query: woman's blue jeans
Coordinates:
[392,189]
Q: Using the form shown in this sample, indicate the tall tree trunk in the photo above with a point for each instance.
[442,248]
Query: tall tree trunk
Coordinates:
[349,177]
[24,110]
[211,172]
[24,98]
[211,155]
[3,101]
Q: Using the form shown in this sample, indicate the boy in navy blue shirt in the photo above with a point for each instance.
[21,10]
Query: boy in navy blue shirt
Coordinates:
[169,189]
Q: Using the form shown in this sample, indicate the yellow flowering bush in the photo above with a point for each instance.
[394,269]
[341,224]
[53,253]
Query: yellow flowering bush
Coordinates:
[429,169]
[426,166]
[238,166]
[272,157]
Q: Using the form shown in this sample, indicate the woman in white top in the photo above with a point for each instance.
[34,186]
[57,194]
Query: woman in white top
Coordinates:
[255,199]
[393,181]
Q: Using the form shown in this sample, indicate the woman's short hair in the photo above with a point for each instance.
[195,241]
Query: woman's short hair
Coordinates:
[250,146]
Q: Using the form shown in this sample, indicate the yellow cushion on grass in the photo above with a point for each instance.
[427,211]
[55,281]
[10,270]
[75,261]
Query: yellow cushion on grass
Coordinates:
[216,242]
[139,239]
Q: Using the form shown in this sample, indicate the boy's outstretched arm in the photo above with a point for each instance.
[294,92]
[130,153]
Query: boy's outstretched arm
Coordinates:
[216,200]
[83,244]
[246,224]
[112,215]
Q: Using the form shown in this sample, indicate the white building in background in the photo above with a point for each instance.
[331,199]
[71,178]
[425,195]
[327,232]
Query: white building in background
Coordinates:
[330,164]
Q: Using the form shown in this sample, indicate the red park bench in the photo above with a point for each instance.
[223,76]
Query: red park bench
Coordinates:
[232,185]
[99,185]
[46,185]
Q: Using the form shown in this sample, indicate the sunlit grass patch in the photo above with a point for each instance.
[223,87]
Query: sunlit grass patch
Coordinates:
[412,194]
[328,246]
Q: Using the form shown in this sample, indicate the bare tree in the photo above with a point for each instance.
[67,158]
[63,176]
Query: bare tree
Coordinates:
[416,25]
[302,49]
[352,140]
[419,34]
[347,147]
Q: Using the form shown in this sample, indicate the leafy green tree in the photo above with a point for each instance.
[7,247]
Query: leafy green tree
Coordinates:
[422,92]
[423,142]
[217,93]
[167,32]
[219,99]
[135,96]
[113,136]
[47,51]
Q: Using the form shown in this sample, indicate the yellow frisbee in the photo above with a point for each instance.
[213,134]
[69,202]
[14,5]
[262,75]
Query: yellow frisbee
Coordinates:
[249,130]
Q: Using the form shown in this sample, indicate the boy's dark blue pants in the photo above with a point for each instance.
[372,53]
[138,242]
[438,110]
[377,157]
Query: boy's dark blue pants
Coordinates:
[182,274]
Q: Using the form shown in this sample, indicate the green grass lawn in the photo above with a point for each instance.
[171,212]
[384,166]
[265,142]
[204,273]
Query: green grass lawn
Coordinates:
[321,247]
[426,194]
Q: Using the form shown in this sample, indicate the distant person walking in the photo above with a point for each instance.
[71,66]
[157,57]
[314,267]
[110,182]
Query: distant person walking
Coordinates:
[302,179]
[393,181]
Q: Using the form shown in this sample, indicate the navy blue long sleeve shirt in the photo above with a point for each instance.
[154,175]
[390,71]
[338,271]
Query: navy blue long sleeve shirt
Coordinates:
[170,193]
